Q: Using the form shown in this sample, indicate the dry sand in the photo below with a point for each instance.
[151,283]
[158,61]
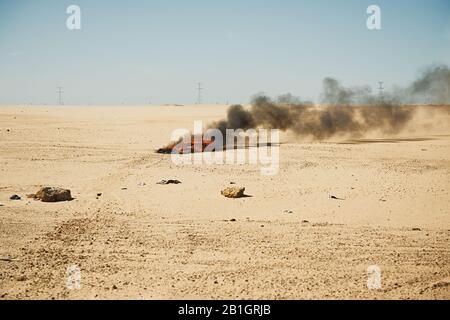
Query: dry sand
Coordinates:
[177,241]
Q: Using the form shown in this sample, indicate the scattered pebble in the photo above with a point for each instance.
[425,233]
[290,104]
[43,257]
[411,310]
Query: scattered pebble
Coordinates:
[336,198]
[21,278]
[288,211]
[169,182]
[141,184]
[305,221]
[6,259]
[233,220]
[15,197]
[416,229]
[99,194]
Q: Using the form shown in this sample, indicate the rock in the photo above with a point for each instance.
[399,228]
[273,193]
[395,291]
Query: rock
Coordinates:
[416,229]
[15,197]
[233,192]
[99,194]
[336,198]
[141,184]
[169,182]
[21,278]
[288,211]
[1,204]
[233,220]
[6,259]
[164,151]
[50,194]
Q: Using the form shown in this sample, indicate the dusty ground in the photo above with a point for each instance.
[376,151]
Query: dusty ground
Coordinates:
[177,241]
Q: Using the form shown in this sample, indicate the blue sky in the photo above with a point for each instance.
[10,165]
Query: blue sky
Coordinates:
[138,51]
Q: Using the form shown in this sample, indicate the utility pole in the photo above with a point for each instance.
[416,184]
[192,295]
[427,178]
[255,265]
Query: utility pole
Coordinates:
[60,96]
[199,94]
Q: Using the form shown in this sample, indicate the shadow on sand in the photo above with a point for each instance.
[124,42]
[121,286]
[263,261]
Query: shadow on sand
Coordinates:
[391,140]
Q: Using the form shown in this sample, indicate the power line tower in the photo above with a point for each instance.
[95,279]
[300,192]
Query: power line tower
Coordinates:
[380,88]
[60,96]
[199,93]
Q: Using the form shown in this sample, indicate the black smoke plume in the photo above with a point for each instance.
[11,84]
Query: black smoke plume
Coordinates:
[433,86]
[344,111]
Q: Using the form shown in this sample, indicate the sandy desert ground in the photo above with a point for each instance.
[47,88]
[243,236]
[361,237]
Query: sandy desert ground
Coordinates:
[289,240]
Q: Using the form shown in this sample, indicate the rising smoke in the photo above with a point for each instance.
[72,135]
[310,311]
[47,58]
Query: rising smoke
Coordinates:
[433,86]
[344,111]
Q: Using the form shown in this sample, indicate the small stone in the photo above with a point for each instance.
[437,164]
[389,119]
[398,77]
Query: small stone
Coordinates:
[288,211]
[114,287]
[99,194]
[233,192]
[21,278]
[416,229]
[15,197]
[233,220]
[169,182]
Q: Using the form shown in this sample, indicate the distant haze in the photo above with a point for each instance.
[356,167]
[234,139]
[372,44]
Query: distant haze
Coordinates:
[140,52]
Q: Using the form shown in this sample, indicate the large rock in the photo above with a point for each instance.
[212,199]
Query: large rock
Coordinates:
[233,192]
[50,194]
